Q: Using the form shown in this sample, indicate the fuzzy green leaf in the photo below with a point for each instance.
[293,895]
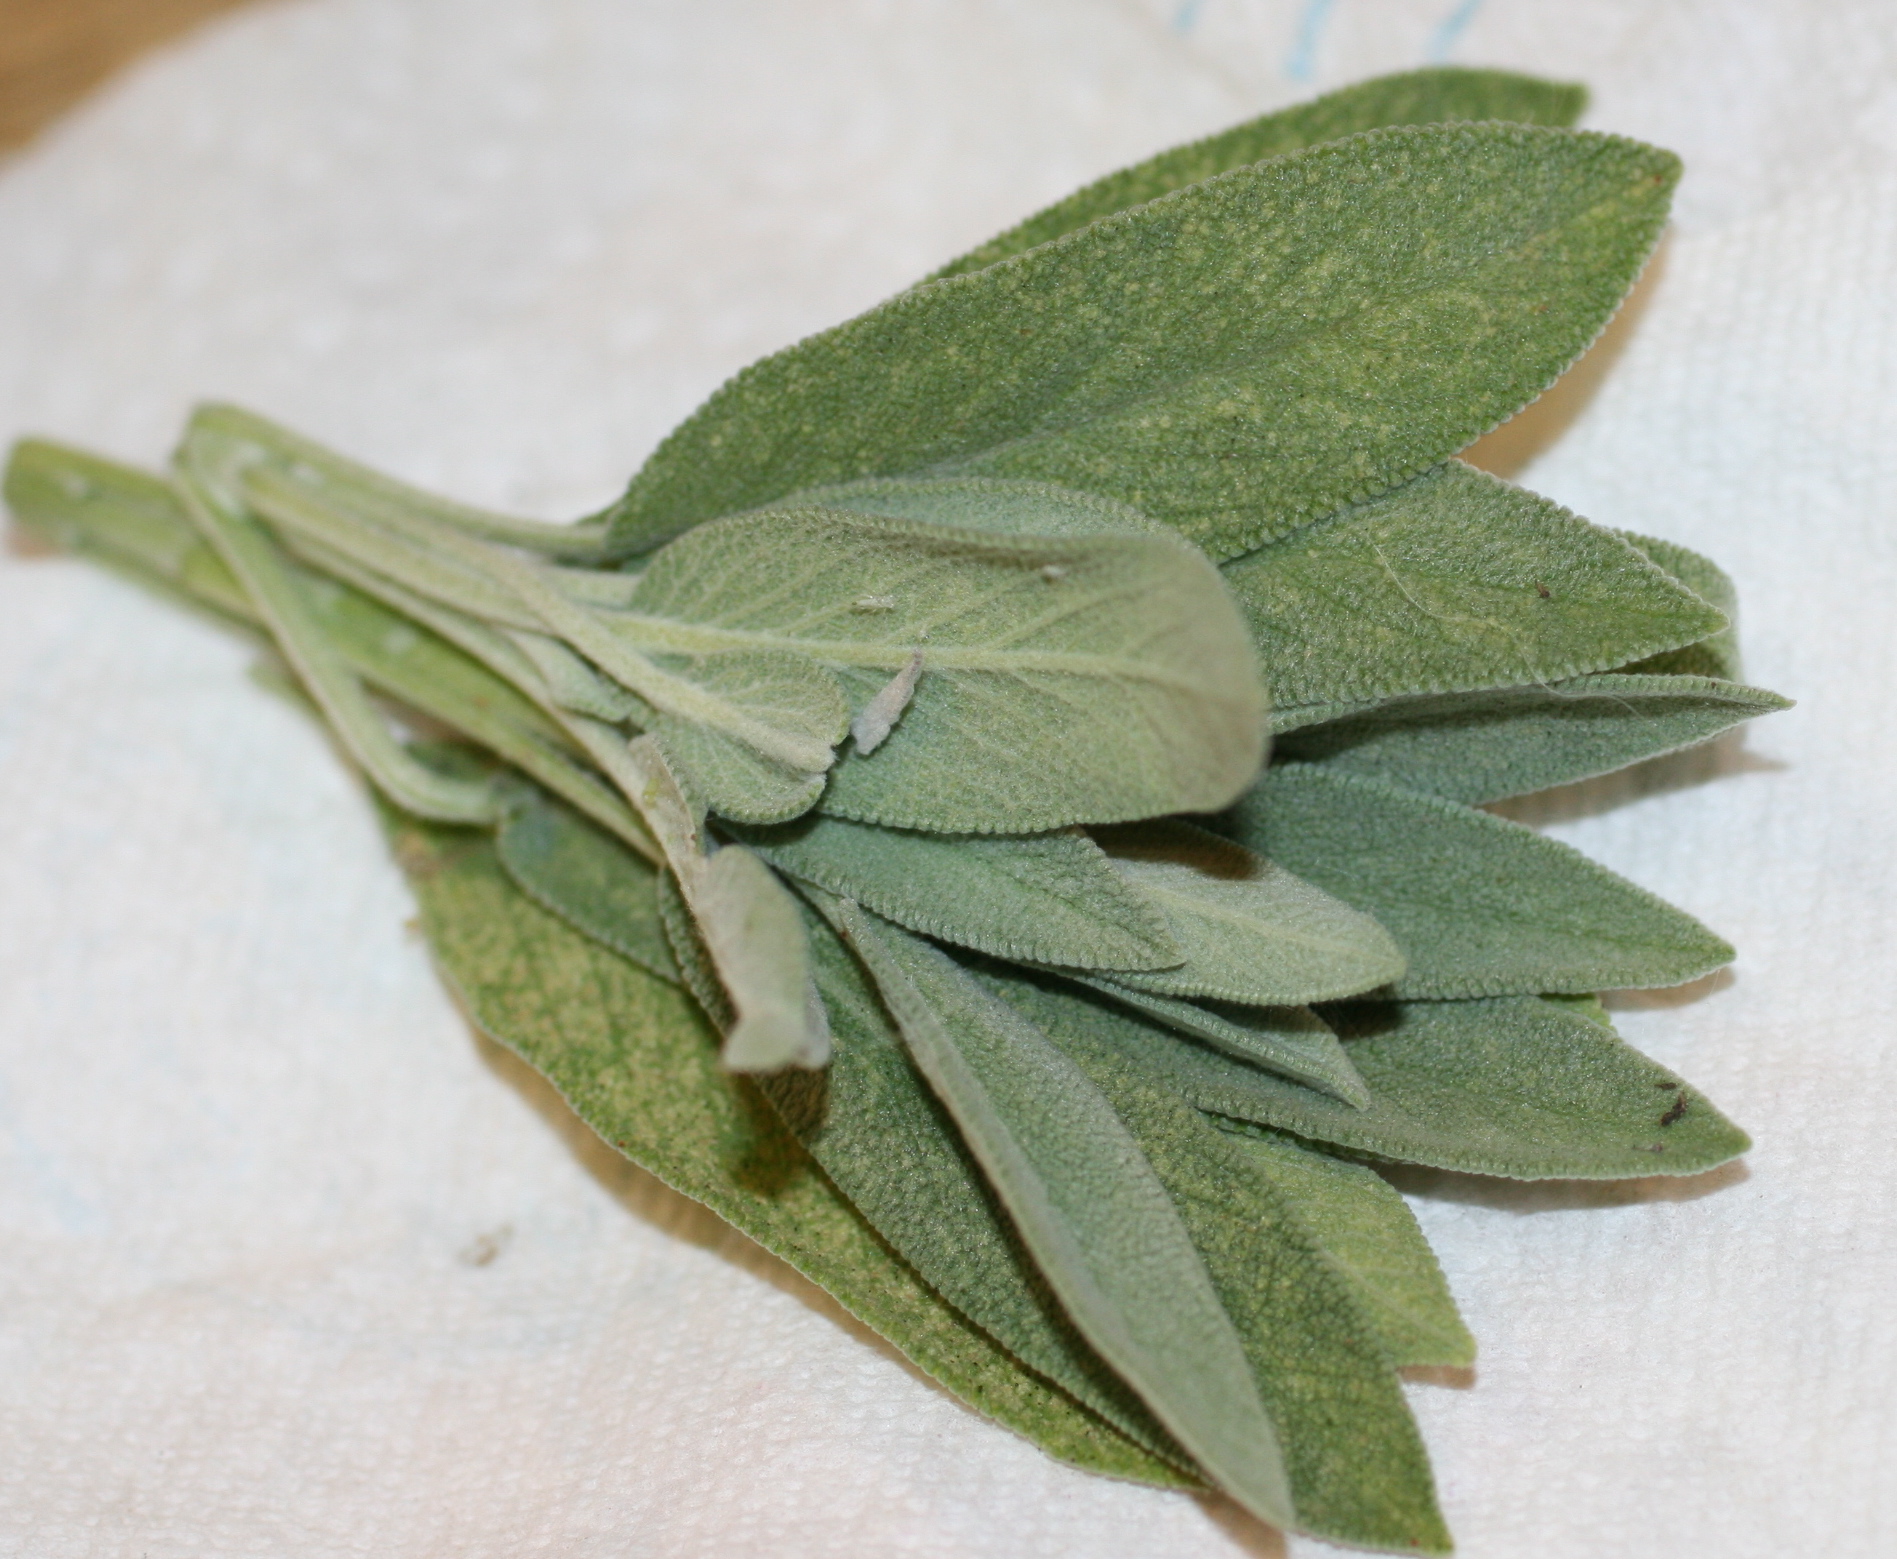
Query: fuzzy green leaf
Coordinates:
[586,877]
[1100,1223]
[1251,931]
[1716,655]
[986,503]
[1451,582]
[1356,1464]
[1235,359]
[1477,747]
[1370,1236]
[1291,1041]
[1039,898]
[879,1132]
[1120,652]
[638,1063]
[1414,97]
[1480,906]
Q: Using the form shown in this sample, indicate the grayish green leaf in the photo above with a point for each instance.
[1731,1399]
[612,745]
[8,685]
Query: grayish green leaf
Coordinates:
[586,877]
[1042,898]
[1356,1465]
[638,1063]
[1099,1222]
[1442,93]
[1453,581]
[1477,747]
[1716,655]
[1480,906]
[1370,1236]
[751,927]
[1235,359]
[1251,931]
[1122,653]
[891,1146]
[1291,1041]
[985,503]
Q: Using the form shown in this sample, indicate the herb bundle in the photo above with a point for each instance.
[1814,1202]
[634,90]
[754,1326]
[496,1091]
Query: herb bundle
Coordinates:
[866,821]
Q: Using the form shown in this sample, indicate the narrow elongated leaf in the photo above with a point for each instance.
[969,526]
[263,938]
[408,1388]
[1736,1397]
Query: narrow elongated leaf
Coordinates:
[1356,1465]
[889,1144]
[1122,653]
[1518,1086]
[1291,1041]
[1251,931]
[1432,96]
[1042,898]
[1100,1223]
[1480,906]
[1477,747]
[985,503]
[1716,655]
[586,877]
[639,1064]
[752,930]
[1370,1236]
[1236,358]
[1453,581]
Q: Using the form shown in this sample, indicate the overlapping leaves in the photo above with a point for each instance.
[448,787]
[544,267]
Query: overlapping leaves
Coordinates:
[873,749]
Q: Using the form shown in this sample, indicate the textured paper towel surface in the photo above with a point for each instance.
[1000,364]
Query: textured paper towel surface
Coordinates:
[294,1265]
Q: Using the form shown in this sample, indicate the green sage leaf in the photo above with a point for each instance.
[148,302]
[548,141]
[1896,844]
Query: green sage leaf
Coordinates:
[1100,1223]
[889,1144]
[1370,1236]
[1235,359]
[1251,931]
[985,503]
[1355,1462]
[1453,581]
[1040,898]
[586,877]
[1480,906]
[1122,653]
[1477,747]
[1415,97]
[638,1063]
[1717,655]
[1291,1041]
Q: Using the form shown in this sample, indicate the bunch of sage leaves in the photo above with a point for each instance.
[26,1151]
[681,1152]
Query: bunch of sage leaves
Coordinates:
[865,822]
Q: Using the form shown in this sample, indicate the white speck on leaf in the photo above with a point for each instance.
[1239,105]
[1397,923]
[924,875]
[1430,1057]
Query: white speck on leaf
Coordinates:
[878,718]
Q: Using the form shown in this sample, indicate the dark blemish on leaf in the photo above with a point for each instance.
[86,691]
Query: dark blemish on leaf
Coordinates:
[1677,1109]
[1543,591]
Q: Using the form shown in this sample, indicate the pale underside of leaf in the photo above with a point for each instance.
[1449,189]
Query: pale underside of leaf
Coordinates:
[891,1146]
[1479,905]
[1120,652]
[635,1059]
[1453,581]
[1291,1041]
[1099,1222]
[1235,359]
[1413,97]
[1047,898]
[984,503]
[1356,1464]
[1251,931]
[1479,747]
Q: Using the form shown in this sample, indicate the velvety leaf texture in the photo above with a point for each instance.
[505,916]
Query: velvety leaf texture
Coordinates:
[1477,747]
[1480,906]
[1040,898]
[986,503]
[637,1061]
[1718,654]
[1097,1218]
[1356,1463]
[1453,581]
[1235,359]
[1411,98]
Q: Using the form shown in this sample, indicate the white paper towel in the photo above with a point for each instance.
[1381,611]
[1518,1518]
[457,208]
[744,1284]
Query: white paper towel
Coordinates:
[297,1266]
